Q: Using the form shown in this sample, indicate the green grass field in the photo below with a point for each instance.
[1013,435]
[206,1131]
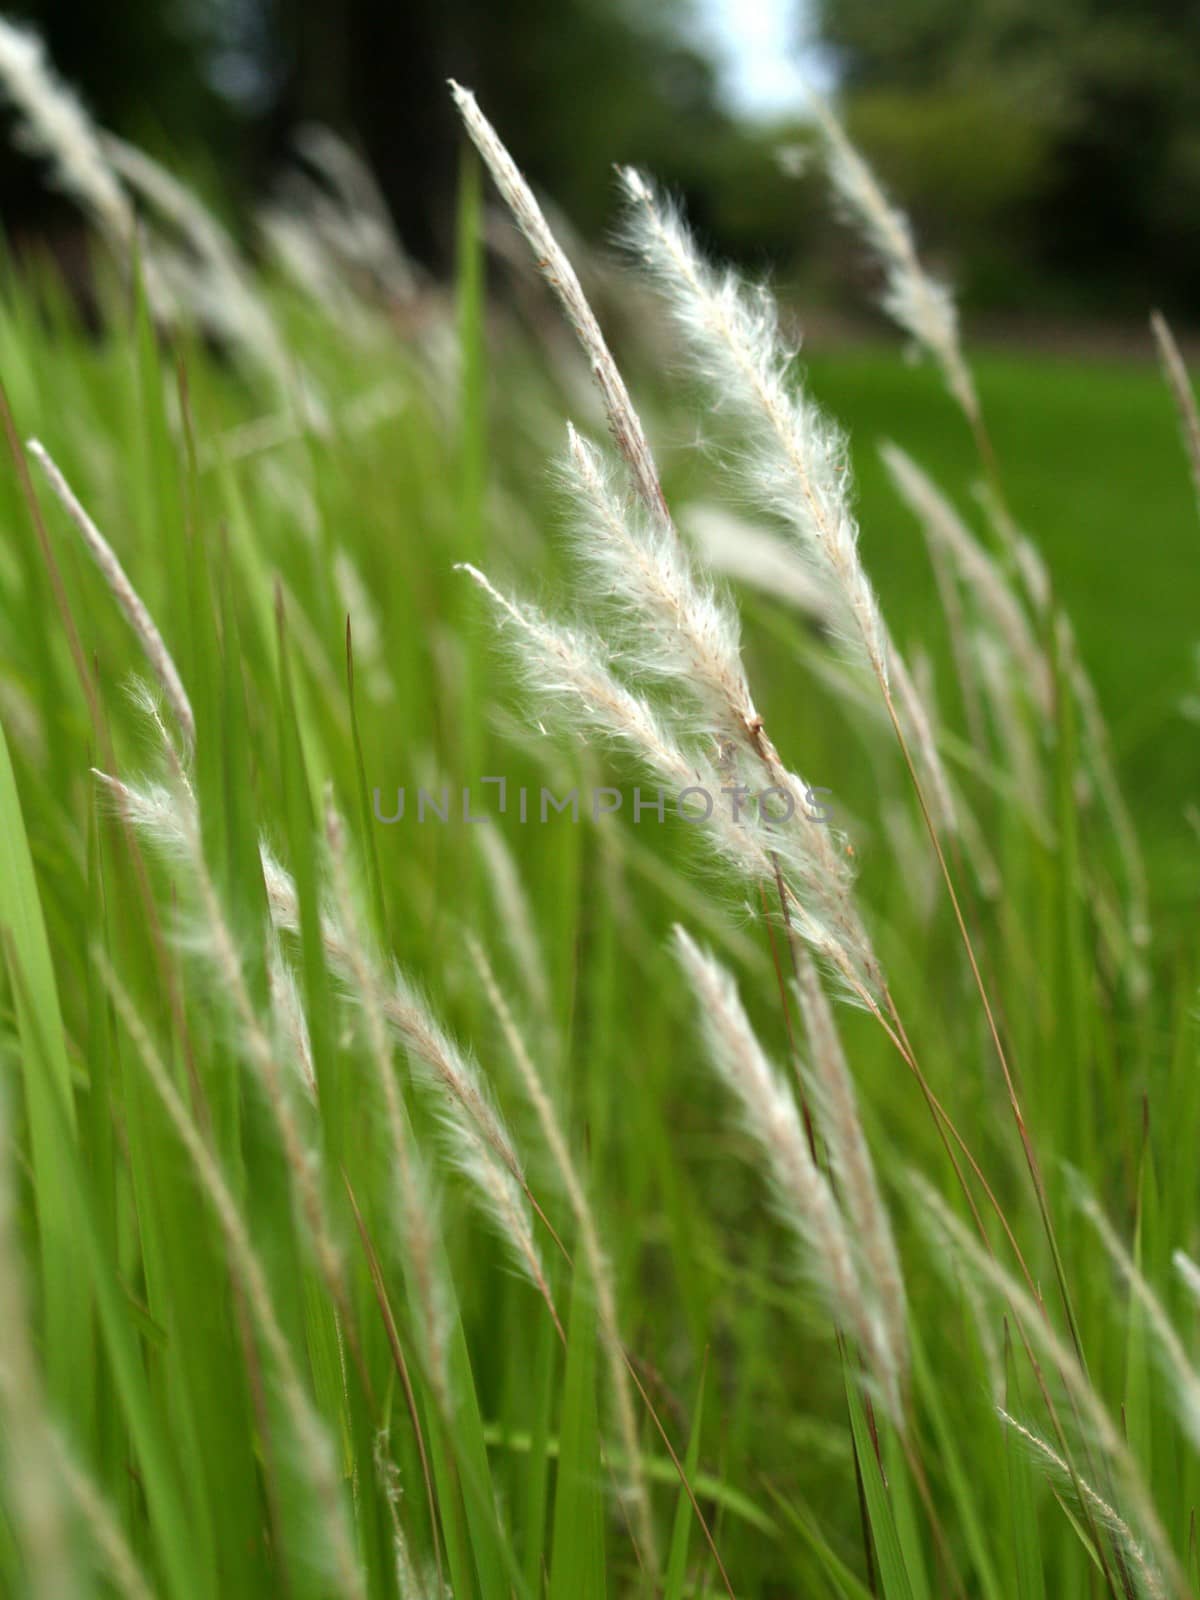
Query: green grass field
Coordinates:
[1093,469]
[223,1369]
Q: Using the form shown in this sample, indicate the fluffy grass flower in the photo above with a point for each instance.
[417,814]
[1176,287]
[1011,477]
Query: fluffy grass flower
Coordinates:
[917,301]
[803,1195]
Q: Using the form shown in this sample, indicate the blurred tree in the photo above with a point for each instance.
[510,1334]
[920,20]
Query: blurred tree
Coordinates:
[574,85]
[1100,97]
[137,61]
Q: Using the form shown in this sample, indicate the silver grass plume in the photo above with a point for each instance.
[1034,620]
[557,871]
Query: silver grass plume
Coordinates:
[627,431]
[477,1139]
[1019,740]
[796,459]
[287,1007]
[681,629]
[410,1584]
[962,641]
[833,1096]
[746,552]
[211,282]
[1095,742]
[683,632]
[101,1522]
[569,667]
[795,455]
[804,1197]
[465,1113]
[1184,396]
[329,230]
[921,304]
[168,820]
[515,916]
[123,592]
[54,126]
[417,1206]
[219,945]
[1051,1462]
[352,216]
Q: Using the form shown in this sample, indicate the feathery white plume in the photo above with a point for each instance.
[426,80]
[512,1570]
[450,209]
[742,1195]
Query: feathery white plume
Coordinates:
[558,272]
[220,946]
[836,1103]
[101,1521]
[703,661]
[123,593]
[1053,1463]
[570,665]
[1184,396]
[515,916]
[288,1009]
[350,214]
[477,1138]
[748,553]
[803,1194]
[918,302]
[167,823]
[55,126]
[795,456]
[680,628]
[417,1209]
[210,281]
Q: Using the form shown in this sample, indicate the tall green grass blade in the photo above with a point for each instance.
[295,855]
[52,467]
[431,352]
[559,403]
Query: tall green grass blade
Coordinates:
[50,1107]
[677,1558]
[838,1573]
[186,1564]
[577,1567]
[893,1572]
[957,1473]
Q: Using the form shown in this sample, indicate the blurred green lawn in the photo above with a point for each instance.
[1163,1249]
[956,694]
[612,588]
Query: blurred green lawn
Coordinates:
[1094,470]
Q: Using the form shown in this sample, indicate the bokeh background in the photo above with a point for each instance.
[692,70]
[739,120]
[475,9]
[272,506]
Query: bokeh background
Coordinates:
[1050,153]
[1047,153]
